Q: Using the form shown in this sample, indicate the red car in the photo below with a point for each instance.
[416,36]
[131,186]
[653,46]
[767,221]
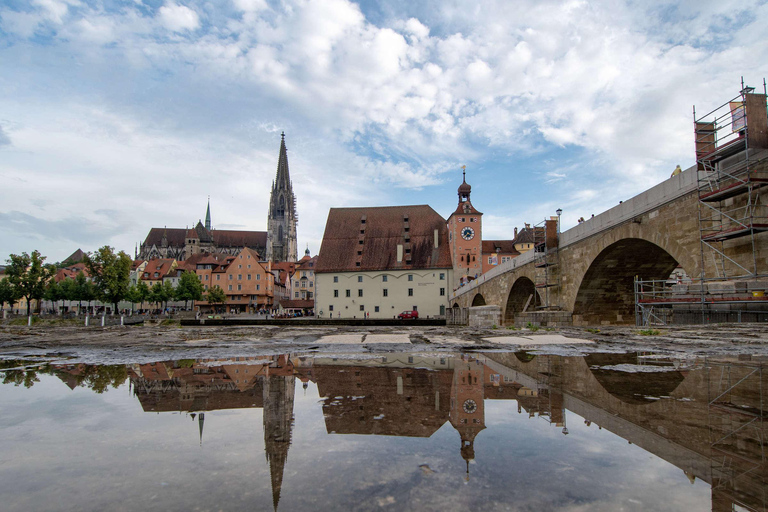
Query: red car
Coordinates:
[408,315]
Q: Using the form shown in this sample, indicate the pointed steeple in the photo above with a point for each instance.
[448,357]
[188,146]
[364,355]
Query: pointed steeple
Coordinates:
[281,221]
[200,421]
[283,178]
[208,215]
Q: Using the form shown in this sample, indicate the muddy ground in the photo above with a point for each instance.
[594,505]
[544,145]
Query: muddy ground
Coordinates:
[153,342]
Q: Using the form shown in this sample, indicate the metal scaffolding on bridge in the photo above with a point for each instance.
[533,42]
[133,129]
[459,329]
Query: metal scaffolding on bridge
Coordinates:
[546,260]
[731,144]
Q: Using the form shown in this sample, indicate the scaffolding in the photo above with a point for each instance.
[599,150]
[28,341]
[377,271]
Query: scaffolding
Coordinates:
[546,261]
[731,159]
[731,144]
[737,428]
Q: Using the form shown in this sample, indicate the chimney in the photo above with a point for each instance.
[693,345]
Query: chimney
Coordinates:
[515,232]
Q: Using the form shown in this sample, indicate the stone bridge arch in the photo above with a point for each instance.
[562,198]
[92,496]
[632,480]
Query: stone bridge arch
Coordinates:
[518,296]
[601,287]
[606,291]
[478,300]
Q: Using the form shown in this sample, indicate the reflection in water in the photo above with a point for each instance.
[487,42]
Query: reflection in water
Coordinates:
[705,417]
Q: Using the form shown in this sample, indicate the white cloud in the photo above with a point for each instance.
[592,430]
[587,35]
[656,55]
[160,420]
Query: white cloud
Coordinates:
[178,18]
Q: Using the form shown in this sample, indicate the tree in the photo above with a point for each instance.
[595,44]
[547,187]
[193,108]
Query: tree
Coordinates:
[7,294]
[162,293]
[111,274]
[83,290]
[216,295]
[54,293]
[189,288]
[28,274]
[68,289]
[143,292]
[133,296]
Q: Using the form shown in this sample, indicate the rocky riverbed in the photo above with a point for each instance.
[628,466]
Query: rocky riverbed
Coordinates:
[113,344]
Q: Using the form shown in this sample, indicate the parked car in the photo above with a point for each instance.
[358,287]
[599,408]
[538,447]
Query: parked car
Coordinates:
[408,315]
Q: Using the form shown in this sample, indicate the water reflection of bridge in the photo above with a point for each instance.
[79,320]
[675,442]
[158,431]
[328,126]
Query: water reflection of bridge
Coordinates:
[706,419]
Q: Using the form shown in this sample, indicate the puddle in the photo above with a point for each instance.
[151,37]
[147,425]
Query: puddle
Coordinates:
[391,431]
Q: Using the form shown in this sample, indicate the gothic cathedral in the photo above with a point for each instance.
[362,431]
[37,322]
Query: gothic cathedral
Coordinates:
[281,221]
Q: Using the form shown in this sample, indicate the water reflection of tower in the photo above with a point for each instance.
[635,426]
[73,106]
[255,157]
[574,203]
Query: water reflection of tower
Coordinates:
[467,408]
[278,424]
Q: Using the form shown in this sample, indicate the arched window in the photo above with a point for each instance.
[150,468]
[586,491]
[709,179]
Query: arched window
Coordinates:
[281,209]
[280,234]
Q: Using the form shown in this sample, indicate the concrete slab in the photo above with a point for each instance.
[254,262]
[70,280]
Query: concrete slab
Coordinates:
[387,338]
[537,340]
[341,339]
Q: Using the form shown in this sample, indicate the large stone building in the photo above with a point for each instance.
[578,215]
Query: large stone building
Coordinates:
[277,244]
[380,261]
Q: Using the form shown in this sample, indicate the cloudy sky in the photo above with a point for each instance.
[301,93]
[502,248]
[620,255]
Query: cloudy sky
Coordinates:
[117,116]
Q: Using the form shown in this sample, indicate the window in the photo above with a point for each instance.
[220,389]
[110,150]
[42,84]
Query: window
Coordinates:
[410,277]
[296,284]
[385,292]
[303,273]
[359,293]
[330,308]
[258,287]
[239,277]
[258,277]
[383,279]
[230,287]
[296,295]
[240,266]
[410,292]
[359,279]
[348,294]
[309,295]
[376,309]
[249,277]
[249,265]
[230,277]
[362,308]
[335,279]
[239,287]
[442,292]
[218,277]
[357,263]
[311,284]
[206,286]
[442,276]
[335,293]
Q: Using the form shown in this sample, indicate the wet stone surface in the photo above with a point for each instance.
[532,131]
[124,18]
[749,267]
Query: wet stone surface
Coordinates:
[351,424]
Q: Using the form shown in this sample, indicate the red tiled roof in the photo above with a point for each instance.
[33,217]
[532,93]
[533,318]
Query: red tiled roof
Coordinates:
[503,246]
[221,237]
[384,230]
[160,265]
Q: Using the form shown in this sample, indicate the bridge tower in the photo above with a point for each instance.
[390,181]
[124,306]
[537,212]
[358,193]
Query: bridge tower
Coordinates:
[465,231]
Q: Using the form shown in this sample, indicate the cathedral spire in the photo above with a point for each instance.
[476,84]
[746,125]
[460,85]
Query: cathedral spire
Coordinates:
[281,221]
[208,215]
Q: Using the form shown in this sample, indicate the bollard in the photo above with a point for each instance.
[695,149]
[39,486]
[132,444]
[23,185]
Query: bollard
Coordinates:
[122,320]
[103,317]
[86,320]
[29,321]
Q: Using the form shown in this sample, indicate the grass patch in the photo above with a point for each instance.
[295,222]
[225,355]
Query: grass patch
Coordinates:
[649,332]
[511,328]
[532,328]
[593,330]
[23,321]
[168,322]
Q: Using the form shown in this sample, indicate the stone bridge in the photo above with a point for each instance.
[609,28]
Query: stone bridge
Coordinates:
[597,261]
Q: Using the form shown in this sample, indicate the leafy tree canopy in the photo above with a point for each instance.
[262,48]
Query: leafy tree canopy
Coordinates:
[110,272]
[28,274]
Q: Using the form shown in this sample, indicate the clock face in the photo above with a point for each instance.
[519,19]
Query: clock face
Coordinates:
[470,406]
[467,233]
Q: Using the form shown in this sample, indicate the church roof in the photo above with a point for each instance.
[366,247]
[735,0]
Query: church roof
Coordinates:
[384,229]
[221,237]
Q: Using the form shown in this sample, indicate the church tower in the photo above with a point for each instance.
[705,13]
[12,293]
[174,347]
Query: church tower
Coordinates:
[465,234]
[281,221]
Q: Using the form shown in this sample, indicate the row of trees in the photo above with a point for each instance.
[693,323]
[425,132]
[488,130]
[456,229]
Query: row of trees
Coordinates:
[27,276]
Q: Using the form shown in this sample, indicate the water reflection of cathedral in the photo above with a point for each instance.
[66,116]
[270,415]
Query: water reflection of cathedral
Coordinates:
[707,422]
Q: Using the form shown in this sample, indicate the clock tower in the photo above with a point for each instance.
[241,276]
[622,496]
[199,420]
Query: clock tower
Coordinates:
[465,234]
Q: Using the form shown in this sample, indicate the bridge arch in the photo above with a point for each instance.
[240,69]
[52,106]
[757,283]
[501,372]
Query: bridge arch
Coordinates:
[606,291]
[521,290]
[478,300]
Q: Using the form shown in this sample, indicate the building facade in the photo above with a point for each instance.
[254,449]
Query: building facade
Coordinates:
[377,262]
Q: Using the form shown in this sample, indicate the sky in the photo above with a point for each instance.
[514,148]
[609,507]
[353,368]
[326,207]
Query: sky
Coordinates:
[120,116]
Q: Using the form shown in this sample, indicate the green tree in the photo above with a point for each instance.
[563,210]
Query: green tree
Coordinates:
[54,293]
[216,295]
[143,291]
[68,289]
[162,293]
[189,288]
[8,294]
[28,274]
[111,273]
[133,296]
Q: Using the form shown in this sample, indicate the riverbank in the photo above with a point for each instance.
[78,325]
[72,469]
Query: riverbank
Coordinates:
[171,340]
